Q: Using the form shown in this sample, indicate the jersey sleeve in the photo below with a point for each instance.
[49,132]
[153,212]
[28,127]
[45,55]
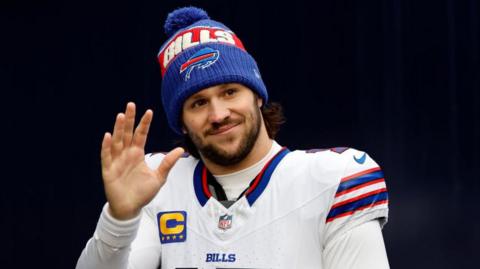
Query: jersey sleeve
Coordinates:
[361,247]
[121,244]
[361,196]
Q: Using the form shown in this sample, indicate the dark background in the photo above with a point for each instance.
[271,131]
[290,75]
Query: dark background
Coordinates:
[398,79]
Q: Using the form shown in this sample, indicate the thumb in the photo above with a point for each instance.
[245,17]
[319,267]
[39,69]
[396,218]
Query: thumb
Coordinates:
[168,161]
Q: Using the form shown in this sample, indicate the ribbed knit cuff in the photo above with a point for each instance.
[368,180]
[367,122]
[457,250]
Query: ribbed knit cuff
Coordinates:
[116,233]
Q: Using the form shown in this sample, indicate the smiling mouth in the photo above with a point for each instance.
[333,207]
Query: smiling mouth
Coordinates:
[223,129]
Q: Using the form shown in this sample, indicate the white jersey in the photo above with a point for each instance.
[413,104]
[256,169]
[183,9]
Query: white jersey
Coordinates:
[298,203]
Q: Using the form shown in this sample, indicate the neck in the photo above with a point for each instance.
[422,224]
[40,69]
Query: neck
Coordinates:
[260,149]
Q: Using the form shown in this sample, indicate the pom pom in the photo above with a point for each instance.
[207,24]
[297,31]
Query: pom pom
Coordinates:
[183,17]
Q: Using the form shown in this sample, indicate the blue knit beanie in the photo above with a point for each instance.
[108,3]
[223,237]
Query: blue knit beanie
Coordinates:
[201,53]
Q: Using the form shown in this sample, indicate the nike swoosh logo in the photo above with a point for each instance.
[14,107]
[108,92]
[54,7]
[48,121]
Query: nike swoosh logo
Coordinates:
[360,160]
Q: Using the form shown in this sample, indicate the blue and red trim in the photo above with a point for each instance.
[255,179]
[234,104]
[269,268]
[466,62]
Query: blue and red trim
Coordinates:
[367,200]
[262,179]
[203,194]
[256,188]
[342,212]
[360,178]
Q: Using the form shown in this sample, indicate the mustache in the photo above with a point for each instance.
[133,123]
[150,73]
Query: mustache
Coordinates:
[217,125]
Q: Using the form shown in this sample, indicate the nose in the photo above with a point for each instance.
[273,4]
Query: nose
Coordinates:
[218,111]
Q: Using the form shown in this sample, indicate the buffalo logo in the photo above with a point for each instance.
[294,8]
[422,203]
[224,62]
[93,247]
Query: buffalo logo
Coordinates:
[201,59]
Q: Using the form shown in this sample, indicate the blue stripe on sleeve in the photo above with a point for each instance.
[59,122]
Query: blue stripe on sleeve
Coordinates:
[358,204]
[359,180]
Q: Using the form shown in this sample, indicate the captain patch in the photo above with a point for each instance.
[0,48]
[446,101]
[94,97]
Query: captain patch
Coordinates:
[172,226]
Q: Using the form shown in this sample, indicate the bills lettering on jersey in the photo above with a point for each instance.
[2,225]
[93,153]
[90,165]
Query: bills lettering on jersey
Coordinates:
[220,257]
[172,226]
[193,37]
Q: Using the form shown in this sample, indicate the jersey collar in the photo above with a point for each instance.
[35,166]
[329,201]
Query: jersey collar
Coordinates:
[257,186]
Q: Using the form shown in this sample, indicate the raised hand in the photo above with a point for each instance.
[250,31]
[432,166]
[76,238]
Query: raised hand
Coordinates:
[129,183]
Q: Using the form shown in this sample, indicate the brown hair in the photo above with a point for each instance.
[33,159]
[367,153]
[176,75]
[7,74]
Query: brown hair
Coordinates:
[273,118]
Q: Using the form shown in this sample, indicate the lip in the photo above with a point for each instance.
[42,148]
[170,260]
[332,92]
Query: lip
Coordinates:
[224,129]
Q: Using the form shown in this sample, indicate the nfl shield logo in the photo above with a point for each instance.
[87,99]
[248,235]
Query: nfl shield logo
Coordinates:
[225,222]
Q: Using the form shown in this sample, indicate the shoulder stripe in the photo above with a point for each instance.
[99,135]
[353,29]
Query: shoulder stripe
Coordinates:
[359,179]
[329,219]
[361,173]
[357,205]
[358,197]
[359,187]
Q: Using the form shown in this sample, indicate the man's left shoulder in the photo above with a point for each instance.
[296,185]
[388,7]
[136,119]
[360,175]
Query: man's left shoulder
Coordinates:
[323,166]
[338,161]
[340,155]
[335,157]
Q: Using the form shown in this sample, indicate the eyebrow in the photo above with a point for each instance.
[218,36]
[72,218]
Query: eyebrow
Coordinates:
[196,96]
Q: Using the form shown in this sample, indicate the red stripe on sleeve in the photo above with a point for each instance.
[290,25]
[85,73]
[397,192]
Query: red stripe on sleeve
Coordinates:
[360,174]
[358,209]
[358,197]
[360,186]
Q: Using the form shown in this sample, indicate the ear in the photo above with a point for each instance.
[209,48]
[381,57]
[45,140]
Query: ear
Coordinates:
[259,101]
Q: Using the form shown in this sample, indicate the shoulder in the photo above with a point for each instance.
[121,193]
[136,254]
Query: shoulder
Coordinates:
[337,153]
[332,171]
[361,194]
[339,162]
[317,172]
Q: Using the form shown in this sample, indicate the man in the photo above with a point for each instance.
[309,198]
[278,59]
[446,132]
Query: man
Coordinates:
[239,200]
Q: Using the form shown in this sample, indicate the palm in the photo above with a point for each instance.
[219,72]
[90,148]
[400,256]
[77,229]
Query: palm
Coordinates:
[129,183]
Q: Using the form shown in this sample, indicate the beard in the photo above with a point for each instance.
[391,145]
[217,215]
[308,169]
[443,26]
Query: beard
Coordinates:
[219,156]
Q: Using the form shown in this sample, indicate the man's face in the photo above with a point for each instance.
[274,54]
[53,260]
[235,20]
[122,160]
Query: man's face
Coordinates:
[223,122]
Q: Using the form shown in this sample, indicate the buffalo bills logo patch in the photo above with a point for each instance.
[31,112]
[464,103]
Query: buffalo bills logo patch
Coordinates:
[201,59]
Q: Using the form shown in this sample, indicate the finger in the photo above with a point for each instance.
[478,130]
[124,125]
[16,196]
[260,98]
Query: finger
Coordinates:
[117,138]
[141,132]
[129,123]
[105,153]
[168,161]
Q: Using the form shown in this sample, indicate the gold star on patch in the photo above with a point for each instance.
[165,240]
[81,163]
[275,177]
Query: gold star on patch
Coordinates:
[174,237]
[181,236]
[168,237]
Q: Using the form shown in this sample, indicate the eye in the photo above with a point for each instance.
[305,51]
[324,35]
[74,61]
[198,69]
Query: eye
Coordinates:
[198,103]
[230,92]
